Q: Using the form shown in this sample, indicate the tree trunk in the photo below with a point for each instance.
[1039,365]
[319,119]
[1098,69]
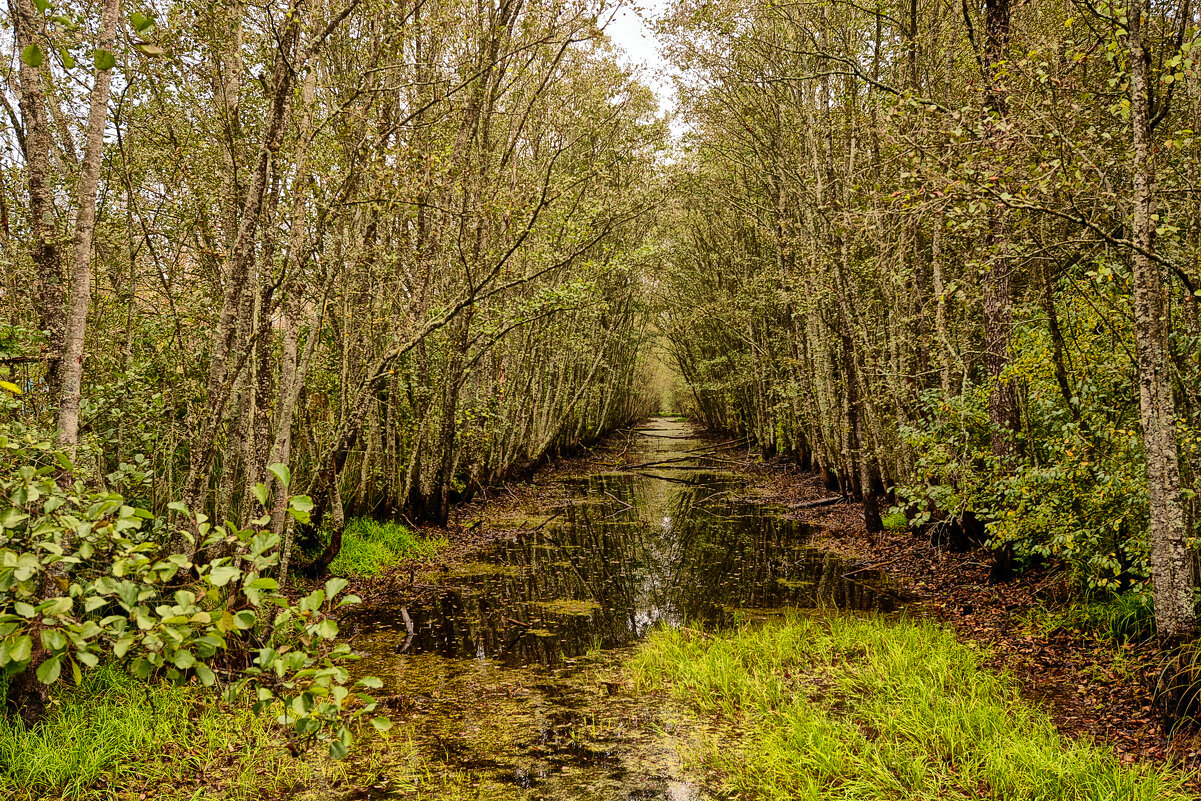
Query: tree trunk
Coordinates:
[1175,614]
[50,282]
[998,299]
[80,295]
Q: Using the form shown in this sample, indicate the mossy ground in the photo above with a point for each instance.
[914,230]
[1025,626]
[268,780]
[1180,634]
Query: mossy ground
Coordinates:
[842,707]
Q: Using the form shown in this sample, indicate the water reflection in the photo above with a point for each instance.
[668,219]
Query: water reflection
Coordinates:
[631,551]
[506,673]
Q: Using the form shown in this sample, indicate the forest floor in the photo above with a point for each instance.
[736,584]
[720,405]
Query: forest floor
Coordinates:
[1092,687]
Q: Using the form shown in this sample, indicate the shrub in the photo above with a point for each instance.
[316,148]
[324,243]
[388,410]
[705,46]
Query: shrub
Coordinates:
[85,579]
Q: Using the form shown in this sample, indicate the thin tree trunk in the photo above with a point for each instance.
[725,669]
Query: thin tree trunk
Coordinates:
[1175,614]
[80,296]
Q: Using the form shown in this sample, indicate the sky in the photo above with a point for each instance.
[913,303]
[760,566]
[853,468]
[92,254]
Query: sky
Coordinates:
[630,32]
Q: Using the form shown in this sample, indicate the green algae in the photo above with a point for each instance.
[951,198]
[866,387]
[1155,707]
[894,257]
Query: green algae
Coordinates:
[473,569]
[568,606]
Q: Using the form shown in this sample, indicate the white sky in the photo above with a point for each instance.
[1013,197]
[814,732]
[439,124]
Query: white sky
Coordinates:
[629,31]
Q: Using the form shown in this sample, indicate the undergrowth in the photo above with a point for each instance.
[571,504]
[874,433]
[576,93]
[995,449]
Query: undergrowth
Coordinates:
[1128,617]
[851,708]
[371,546]
[114,737]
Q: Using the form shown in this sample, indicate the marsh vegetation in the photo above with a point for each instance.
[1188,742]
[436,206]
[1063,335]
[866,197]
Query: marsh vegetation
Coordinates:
[298,297]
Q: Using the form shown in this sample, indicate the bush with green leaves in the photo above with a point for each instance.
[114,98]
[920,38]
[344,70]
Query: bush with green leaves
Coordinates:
[86,579]
[1075,488]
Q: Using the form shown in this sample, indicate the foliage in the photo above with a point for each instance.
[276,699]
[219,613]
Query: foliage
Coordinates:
[371,546]
[113,734]
[1126,617]
[86,580]
[859,708]
[1077,490]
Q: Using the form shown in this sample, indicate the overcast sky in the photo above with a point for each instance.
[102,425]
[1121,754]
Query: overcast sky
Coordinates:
[629,31]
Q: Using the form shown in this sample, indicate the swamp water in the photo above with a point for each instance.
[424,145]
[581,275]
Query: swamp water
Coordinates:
[507,677]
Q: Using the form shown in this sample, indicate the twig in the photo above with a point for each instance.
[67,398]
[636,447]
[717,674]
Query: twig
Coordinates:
[872,567]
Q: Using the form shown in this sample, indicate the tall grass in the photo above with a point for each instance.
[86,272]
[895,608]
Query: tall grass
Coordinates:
[1128,617]
[114,737]
[371,546]
[853,708]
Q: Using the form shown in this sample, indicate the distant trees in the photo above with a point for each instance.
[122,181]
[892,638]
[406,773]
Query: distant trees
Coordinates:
[953,250]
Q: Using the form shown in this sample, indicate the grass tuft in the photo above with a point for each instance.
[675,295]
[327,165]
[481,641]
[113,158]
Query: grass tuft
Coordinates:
[844,707]
[1128,617]
[371,546]
[115,737]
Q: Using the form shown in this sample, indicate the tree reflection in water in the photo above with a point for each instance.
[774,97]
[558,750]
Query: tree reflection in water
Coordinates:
[633,551]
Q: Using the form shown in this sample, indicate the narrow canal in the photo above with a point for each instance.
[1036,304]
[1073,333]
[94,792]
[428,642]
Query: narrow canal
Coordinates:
[506,675]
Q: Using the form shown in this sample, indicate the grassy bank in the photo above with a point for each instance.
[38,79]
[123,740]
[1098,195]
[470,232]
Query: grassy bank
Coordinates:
[371,546]
[113,737]
[853,708]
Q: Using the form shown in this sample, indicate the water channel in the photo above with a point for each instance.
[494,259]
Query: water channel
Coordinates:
[507,675]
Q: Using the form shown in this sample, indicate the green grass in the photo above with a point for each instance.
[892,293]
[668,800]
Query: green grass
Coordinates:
[895,520]
[371,546]
[114,737]
[1129,617]
[854,708]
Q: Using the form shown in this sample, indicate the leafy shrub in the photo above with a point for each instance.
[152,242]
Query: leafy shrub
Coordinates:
[1076,487]
[1126,617]
[85,579]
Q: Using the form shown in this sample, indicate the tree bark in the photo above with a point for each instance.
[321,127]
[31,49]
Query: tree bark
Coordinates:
[1175,614]
[998,292]
[50,288]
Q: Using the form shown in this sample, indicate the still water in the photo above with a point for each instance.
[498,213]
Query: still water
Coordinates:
[508,673]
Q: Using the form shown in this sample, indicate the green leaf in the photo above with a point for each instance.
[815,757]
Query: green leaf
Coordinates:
[301,503]
[281,473]
[76,674]
[338,750]
[205,674]
[260,492]
[335,586]
[49,670]
[42,5]
[65,55]
[141,22]
[183,660]
[372,682]
[223,574]
[327,629]
[21,649]
[245,619]
[31,55]
[381,724]
[104,59]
